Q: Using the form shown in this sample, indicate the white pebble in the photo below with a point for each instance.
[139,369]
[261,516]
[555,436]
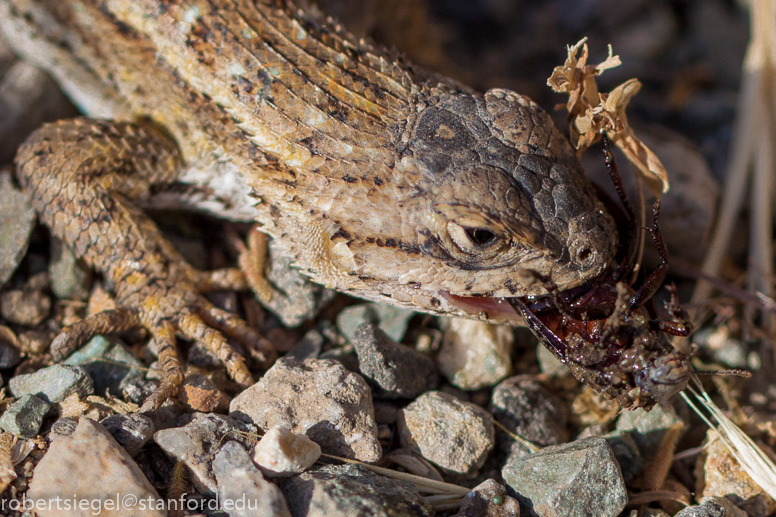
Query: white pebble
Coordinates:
[282,453]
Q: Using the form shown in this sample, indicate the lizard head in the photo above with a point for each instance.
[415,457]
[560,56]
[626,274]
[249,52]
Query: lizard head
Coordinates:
[484,188]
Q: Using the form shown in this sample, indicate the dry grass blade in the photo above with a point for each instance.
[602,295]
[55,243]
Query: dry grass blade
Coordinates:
[424,485]
[753,137]
[753,460]
[529,445]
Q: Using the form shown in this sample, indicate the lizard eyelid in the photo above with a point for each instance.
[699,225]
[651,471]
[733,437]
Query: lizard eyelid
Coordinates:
[475,241]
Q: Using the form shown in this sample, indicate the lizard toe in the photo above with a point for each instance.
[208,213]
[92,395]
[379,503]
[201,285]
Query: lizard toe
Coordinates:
[172,370]
[193,327]
[261,350]
[74,336]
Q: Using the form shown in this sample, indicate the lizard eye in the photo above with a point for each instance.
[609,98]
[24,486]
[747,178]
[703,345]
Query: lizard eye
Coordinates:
[480,236]
[477,241]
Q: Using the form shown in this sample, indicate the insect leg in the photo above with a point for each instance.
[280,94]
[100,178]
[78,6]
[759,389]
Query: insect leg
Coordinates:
[548,338]
[655,279]
[681,325]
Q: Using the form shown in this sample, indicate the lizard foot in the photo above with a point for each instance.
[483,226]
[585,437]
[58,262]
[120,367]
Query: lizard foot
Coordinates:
[276,283]
[82,176]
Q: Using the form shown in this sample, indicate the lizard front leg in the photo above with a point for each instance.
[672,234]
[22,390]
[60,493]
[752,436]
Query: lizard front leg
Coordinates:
[82,175]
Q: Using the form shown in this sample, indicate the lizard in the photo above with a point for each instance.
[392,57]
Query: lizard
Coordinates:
[377,177]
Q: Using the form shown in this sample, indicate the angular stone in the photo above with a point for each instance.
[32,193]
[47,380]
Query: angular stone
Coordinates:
[295,299]
[131,431]
[108,362]
[452,434]
[137,389]
[351,490]
[316,397]
[90,464]
[17,219]
[242,490]
[28,97]
[731,510]
[309,347]
[648,428]
[526,407]
[198,393]
[27,308]
[9,356]
[196,443]
[707,509]
[398,371]
[475,354]
[25,416]
[53,384]
[723,476]
[281,453]
[627,454]
[70,278]
[64,426]
[489,499]
[392,320]
[549,364]
[580,478]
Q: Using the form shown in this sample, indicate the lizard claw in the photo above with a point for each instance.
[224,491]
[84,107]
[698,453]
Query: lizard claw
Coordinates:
[191,326]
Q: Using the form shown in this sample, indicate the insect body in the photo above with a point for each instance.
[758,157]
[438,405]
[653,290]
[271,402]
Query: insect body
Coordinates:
[603,331]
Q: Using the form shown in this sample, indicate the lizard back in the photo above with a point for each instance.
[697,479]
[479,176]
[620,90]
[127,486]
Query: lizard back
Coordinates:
[380,178]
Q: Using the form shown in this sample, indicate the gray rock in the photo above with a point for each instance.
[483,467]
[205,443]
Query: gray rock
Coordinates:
[28,97]
[452,434]
[489,499]
[732,354]
[24,307]
[627,454]
[25,416]
[351,490]
[392,320]
[9,356]
[309,347]
[294,299]
[196,443]
[731,510]
[92,465]
[53,384]
[70,277]
[549,364]
[527,408]
[242,490]
[316,397]
[137,389]
[17,219]
[648,428]
[707,509]
[131,431]
[475,354]
[64,426]
[580,478]
[108,362]
[398,371]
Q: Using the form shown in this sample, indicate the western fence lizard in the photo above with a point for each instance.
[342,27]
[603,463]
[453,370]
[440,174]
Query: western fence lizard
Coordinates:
[378,178]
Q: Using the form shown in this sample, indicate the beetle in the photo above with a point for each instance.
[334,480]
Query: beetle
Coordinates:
[606,331]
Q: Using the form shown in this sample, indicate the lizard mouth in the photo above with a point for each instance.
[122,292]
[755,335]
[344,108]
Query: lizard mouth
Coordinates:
[492,309]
